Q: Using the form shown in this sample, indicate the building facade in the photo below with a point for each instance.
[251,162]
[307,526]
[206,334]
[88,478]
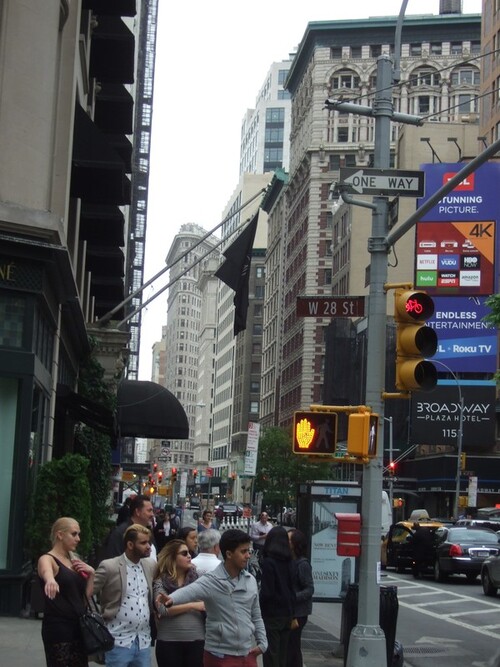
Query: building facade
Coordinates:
[66,114]
[490,82]
[265,129]
[320,252]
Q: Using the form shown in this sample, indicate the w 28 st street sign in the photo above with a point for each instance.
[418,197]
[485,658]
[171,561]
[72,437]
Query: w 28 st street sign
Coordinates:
[330,306]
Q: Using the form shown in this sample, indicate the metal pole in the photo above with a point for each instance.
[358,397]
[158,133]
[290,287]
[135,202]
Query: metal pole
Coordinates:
[367,641]
[391,478]
[459,437]
[459,456]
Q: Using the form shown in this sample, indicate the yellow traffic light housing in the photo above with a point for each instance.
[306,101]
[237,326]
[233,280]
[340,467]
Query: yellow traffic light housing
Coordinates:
[414,340]
[314,433]
[362,434]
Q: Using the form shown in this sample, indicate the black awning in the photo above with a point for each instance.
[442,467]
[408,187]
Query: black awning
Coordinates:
[114,109]
[121,144]
[102,225]
[98,172]
[111,8]
[148,410]
[112,51]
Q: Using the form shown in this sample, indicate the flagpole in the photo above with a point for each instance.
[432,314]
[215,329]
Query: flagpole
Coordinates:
[107,316]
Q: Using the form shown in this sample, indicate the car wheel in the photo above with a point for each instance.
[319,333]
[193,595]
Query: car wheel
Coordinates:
[488,587]
[439,575]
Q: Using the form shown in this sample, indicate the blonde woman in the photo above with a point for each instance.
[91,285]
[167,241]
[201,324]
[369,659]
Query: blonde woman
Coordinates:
[65,580]
[181,629]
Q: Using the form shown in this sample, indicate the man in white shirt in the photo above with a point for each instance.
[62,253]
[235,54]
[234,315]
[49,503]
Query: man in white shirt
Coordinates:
[209,551]
[259,530]
[124,586]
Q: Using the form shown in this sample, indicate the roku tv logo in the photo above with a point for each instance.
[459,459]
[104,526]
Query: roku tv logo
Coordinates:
[466,184]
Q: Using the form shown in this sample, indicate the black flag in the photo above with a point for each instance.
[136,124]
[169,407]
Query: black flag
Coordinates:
[235,272]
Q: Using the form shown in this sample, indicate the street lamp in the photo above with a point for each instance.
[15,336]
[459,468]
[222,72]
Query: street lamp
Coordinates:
[459,437]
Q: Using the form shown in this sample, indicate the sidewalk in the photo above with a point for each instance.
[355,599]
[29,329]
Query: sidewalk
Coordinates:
[21,641]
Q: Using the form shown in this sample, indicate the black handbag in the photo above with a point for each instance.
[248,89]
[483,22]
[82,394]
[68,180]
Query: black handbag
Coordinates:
[96,637]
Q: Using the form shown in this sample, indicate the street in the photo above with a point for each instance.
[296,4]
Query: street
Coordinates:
[448,624]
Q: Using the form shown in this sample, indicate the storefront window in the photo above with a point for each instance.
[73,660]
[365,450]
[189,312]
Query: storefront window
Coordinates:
[8,414]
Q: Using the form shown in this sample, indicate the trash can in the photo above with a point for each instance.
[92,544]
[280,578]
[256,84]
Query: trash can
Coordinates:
[388,617]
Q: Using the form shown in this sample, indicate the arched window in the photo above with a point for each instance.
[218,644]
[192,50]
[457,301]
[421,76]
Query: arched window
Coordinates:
[424,76]
[345,79]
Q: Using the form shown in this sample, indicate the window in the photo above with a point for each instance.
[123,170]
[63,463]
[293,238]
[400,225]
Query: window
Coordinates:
[282,74]
[255,386]
[465,76]
[257,329]
[350,160]
[254,407]
[259,291]
[436,48]
[475,47]
[375,50]
[275,115]
[467,103]
[334,162]
[425,76]
[327,277]
[416,49]
[423,103]
[456,48]
[329,248]
[284,95]
[257,310]
[335,52]
[329,220]
[345,79]
[355,52]
[260,272]
[273,135]
[343,134]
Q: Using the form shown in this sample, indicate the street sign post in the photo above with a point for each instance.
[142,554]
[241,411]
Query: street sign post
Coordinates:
[383,182]
[330,306]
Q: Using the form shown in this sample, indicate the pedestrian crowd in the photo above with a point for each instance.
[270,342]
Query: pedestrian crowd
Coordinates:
[189,592]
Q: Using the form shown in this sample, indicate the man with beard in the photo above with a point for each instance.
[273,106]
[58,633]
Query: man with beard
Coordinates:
[124,586]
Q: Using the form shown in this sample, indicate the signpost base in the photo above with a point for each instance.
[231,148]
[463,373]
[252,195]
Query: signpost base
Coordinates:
[367,647]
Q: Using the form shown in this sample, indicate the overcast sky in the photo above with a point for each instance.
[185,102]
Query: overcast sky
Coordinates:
[211,61]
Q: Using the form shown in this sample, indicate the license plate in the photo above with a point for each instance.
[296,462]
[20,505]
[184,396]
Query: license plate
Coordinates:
[482,553]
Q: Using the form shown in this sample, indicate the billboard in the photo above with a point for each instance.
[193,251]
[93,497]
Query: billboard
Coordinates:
[457,240]
[466,343]
[435,416]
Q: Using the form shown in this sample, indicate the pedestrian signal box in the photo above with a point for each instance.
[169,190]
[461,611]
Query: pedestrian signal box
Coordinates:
[362,431]
[314,433]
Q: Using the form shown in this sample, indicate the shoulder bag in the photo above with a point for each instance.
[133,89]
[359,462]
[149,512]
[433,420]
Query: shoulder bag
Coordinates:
[96,637]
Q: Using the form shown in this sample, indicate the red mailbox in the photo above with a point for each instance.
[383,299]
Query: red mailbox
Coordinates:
[348,534]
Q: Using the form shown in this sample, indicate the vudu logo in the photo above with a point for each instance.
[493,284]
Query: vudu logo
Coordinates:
[448,261]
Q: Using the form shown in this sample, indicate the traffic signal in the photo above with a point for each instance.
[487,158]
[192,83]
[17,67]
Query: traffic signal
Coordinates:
[314,433]
[152,490]
[362,431]
[155,467]
[414,341]
[160,476]
[392,468]
[173,475]
[195,474]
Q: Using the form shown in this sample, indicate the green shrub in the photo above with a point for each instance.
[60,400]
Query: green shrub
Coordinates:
[62,489]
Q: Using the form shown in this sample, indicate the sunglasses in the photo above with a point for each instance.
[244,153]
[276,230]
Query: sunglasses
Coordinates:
[183,553]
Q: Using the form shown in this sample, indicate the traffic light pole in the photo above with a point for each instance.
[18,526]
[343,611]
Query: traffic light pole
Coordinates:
[367,645]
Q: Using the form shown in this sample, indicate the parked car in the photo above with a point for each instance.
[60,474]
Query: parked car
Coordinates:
[463,550]
[397,550]
[230,509]
[492,524]
[490,575]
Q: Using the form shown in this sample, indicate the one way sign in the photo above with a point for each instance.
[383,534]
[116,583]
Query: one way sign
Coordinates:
[385,182]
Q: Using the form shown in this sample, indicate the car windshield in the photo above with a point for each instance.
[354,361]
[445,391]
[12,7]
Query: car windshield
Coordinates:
[472,535]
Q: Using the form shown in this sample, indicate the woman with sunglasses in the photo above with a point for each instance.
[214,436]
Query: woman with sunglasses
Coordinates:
[181,629]
[65,580]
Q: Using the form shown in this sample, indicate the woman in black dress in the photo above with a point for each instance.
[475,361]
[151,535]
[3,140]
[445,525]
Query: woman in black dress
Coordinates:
[65,580]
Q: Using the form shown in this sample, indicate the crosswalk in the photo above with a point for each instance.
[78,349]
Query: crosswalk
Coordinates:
[477,613]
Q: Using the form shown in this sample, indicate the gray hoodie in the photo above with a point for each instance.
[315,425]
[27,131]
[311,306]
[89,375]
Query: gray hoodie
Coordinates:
[234,622]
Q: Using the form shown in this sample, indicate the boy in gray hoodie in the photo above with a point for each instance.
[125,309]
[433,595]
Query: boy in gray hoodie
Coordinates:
[235,632]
